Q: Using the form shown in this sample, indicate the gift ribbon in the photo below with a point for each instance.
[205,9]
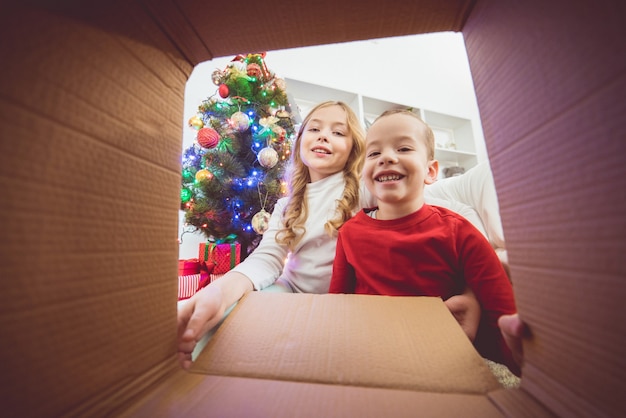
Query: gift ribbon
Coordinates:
[212,244]
[232,255]
[227,239]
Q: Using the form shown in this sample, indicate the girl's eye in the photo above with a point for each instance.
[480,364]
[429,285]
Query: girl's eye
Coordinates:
[404,149]
[313,129]
[339,133]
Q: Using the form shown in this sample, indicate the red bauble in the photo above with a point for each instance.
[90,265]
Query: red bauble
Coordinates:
[223,91]
[208,137]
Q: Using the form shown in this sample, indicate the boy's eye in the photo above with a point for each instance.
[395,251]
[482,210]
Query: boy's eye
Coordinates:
[373,154]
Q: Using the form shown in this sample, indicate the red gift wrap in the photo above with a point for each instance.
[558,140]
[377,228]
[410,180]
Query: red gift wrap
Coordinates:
[188,267]
[219,258]
[189,285]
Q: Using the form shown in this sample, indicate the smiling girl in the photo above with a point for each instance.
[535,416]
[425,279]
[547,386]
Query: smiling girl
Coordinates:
[323,192]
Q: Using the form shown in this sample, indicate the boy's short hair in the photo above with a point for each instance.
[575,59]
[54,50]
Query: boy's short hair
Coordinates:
[430,136]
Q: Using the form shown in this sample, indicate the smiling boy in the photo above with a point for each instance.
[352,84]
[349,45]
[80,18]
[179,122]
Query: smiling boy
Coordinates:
[404,247]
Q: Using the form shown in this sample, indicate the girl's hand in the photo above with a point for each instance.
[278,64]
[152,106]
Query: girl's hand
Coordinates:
[196,316]
[204,310]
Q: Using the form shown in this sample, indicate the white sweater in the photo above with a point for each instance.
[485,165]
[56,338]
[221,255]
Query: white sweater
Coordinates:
[309,266]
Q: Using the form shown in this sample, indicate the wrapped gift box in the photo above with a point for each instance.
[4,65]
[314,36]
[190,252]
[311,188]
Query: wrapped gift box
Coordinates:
[193,275]
[223,256]
[188,267]
[188,285]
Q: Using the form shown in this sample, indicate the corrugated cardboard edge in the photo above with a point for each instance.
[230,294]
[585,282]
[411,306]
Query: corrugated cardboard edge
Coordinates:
[195,395]
[121,397]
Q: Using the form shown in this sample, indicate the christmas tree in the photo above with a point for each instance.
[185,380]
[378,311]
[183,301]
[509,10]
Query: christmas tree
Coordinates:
[233,175]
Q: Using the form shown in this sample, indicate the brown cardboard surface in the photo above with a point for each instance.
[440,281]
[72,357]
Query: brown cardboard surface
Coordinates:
[90,106]
[311,23]
[409,343]
[519,404]
[551,109]
[195,395]
[89,175]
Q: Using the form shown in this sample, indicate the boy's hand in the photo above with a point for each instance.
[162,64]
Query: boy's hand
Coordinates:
[514,331]
[466,310]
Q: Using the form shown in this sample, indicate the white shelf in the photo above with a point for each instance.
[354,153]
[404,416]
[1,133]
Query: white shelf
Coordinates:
[304,96]
[454,138]
[372,108]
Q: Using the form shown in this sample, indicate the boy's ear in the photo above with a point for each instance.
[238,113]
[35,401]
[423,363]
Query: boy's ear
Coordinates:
[433,172]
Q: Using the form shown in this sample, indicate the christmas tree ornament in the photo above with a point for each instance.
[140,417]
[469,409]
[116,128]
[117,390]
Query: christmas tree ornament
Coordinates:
[240,121]
[268,157]
[268,121]
[208,138]
[260,221]
[282,113]
[254,70]
[280,132]
[223,91]
[217,77]
[280,83]
[195,122]
[203,174]
[185,194]
[187,175]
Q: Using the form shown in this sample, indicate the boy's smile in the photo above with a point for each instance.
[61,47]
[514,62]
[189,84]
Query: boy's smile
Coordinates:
[388,177]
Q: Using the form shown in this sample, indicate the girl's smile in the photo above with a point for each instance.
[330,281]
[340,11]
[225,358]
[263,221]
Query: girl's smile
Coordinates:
[326,142]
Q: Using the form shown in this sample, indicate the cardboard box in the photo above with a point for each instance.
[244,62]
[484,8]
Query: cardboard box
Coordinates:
[353,340]
[188,285]
[339,354]
[91,103]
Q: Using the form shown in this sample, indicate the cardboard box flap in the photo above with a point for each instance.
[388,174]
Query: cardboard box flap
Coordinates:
[409,343]
[304,23]
[194,395]
[561,92]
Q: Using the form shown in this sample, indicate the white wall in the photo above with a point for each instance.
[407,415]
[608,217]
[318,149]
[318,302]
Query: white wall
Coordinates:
[428,71]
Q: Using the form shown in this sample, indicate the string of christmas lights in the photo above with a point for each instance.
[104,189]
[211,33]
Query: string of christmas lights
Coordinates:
[233,174]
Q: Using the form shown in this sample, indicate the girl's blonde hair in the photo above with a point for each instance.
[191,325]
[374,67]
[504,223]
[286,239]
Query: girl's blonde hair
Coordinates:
[296,210]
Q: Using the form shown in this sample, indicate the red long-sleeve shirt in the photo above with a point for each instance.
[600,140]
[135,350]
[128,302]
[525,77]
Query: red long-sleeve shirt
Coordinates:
[432,252]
